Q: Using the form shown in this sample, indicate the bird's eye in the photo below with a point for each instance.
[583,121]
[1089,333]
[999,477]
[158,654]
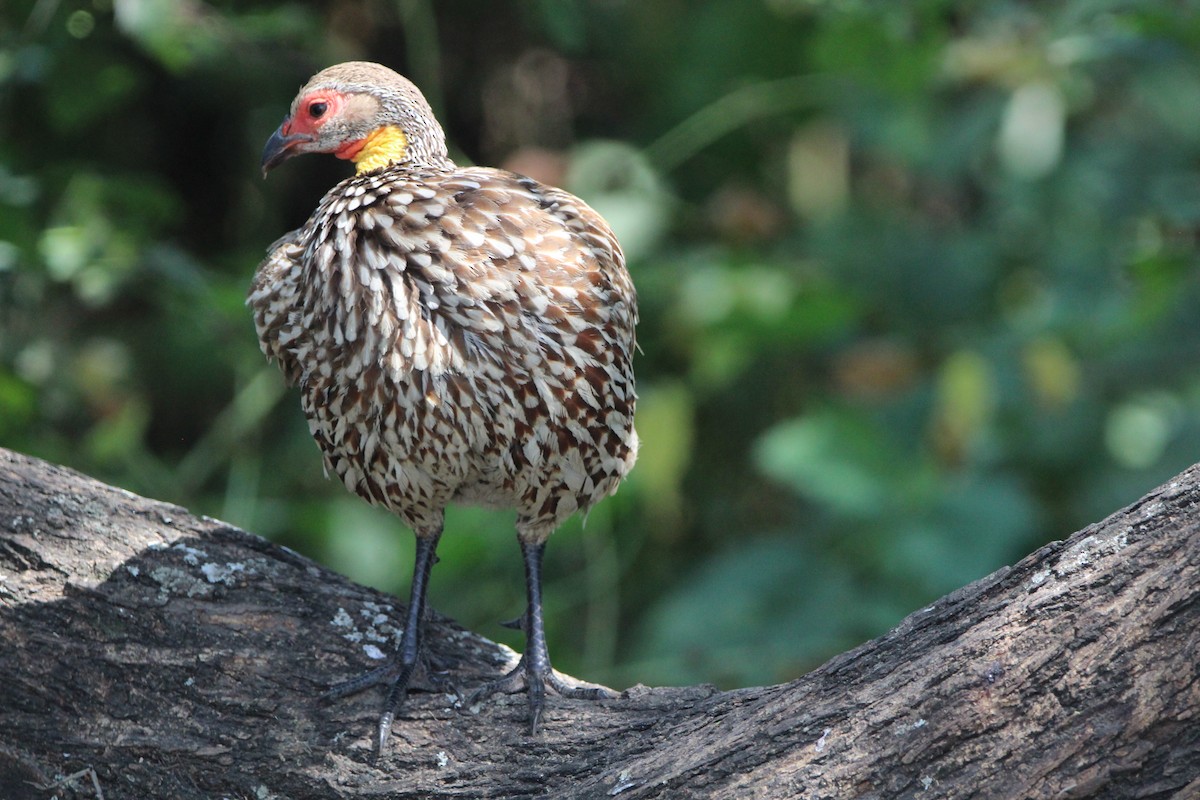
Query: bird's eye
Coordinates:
[318,109]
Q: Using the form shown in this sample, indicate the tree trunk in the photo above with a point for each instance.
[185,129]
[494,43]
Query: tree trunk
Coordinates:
[149,653]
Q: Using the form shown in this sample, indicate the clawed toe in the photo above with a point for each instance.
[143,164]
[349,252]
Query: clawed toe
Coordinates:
[381,675]
[400,678]
[536,680]
[510,683]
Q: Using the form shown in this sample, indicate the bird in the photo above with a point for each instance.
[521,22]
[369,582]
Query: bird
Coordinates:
[458,335]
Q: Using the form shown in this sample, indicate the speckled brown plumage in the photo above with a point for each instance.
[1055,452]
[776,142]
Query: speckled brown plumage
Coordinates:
[458,335]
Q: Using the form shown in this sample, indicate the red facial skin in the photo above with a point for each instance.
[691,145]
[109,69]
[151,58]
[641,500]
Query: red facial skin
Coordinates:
[302,132]
[309,119]
[309,116]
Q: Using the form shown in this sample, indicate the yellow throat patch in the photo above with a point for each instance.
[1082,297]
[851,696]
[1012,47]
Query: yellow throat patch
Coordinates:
[382,146]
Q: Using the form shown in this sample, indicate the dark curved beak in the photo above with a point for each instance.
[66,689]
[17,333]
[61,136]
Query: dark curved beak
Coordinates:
[279,147]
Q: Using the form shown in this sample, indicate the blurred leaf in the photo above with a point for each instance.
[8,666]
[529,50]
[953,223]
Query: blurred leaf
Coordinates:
[118,435]
[1053,372]
[966,400]
[618,182]
[834,458]
[1031,134]
[980,523]
[85,90]
[17,404]
[367,543]
[759,612]
[176,32]
[1138,431]
[665,425]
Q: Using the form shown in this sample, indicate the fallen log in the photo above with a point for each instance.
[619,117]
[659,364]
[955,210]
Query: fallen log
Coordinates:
[150,653]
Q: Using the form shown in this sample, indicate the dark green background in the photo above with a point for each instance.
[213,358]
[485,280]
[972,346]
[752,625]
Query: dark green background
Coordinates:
[918,287]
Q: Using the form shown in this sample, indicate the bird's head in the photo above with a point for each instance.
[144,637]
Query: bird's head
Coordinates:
[363,112]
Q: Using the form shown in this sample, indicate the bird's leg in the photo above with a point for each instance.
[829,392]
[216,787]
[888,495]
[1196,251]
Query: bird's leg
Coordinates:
[398,674]
[533,672]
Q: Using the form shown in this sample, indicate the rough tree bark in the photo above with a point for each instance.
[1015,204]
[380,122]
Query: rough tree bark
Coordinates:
[179,657]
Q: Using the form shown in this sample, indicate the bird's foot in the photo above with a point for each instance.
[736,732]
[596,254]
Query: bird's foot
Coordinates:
[535,676]
[430,674]
[400,677]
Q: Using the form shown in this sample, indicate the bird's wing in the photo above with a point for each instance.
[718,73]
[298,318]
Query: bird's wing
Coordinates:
[272,297]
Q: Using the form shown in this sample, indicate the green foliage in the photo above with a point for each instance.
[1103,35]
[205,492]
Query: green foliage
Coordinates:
[918,287]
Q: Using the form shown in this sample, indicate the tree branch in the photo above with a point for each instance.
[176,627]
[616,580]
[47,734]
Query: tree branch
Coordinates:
[180,657]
